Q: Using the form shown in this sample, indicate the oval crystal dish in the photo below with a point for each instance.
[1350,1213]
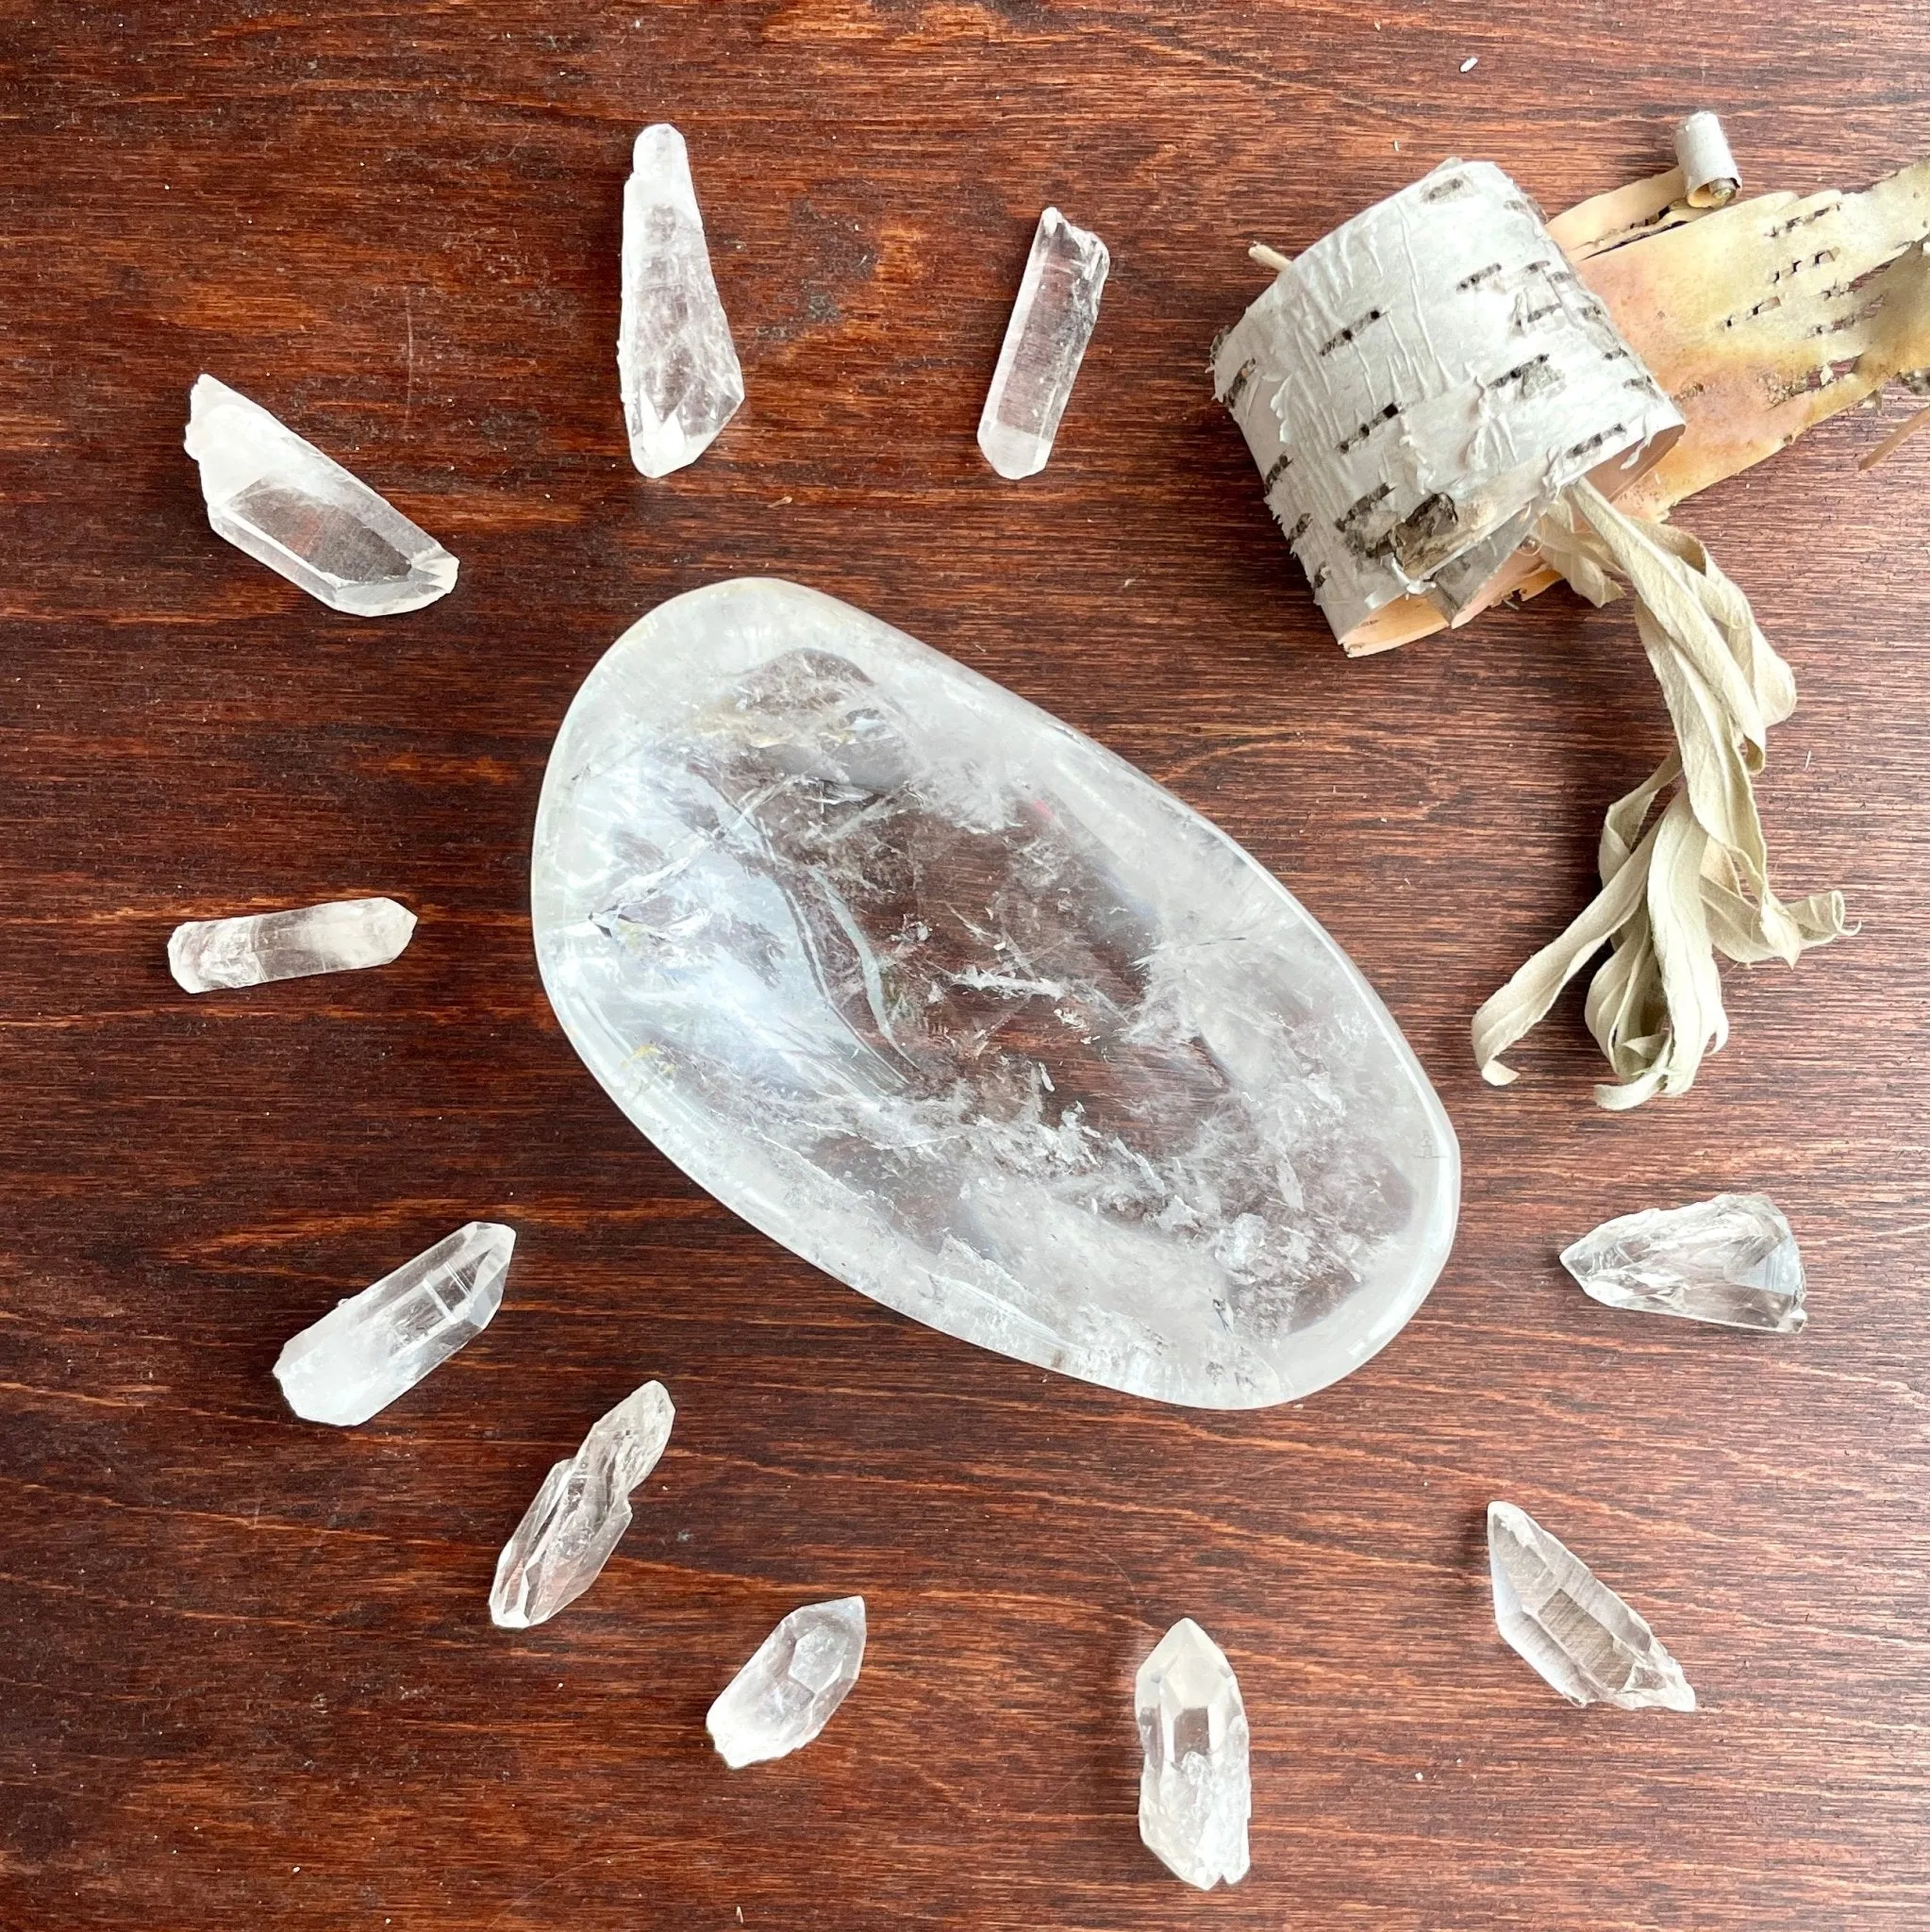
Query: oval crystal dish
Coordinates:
[972,1015]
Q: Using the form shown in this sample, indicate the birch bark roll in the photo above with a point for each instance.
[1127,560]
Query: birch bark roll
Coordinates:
[1419,386]
[1710,174]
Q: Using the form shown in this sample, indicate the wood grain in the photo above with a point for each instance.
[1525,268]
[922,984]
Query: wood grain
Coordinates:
[247,1674]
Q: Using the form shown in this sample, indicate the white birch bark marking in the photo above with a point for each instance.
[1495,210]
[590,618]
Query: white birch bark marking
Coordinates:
[1421,385]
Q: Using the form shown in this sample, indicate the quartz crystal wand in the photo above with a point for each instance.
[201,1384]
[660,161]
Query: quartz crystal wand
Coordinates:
[789,1689]
[276,495]
[581,1512]
[1045,341]
[676,360]
[378,1345]
[343,936]
[1732,1262]
[1565,1622]
[1195,1785]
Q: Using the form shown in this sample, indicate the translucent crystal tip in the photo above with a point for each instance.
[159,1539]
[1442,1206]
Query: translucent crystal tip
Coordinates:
[341,936]
[678,368]
[289,506]
[1195,1788]
[1576,1634]
[1732,1262]
[1052,321]
[579,1515]
[659,146]
[378,1345]
[788,1691]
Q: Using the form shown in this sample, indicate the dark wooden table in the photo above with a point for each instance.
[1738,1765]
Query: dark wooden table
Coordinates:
[249,1678]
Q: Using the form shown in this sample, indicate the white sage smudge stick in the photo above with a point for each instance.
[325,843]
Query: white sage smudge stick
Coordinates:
[1440,409]
[1696,881]
[1708,169]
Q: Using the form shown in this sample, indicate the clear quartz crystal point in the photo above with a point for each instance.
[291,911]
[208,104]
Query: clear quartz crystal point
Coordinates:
[1196,1790]
[301,513]
[1045,341]
[378,1345]
[675,361]
[1571,1626]
[786,1694]
[1730,1260]
[581,1512]
[344,935]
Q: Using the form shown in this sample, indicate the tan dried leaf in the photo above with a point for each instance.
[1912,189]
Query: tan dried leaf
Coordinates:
[1695,882]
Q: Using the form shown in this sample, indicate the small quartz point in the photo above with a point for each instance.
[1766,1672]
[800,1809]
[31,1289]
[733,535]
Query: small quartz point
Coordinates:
[581,1512]
[1730,1260]
[378,1345]
[1196,1790]
[341,936]
[675,361]
[1045,341]
[1571,1626]
[786,1694]
[301,513]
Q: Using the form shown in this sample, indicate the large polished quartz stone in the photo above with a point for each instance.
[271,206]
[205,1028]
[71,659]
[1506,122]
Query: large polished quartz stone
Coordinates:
[974,1016]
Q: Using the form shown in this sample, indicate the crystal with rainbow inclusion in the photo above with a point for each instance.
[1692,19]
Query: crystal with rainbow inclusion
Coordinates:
[581,1512]
[676,364]
[1574,1630]
[342,936]
[787,1691]
[1052,322]
[1730,1260]
[276,496]
[378,1345]
[1195,1789]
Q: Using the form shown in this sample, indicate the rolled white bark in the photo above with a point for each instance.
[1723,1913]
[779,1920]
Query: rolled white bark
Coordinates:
[1421,385]
[1708,169]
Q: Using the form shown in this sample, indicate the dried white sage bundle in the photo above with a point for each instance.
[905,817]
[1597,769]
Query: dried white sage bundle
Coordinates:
[1695,881]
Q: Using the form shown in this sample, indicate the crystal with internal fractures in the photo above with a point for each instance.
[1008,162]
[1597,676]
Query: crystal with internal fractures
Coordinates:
[580,1513]
[378,1345]
[1195,1791]
[676,364]
[1045,341]
[1571,1626]
[1730,1260]
[344,935]
[974,1016]
[301,513]
[786,1694]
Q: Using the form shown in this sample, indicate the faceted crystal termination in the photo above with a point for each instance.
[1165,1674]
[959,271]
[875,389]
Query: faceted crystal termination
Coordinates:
[1730,1260]
[675,361]
[1571,1626]
[1045,341]
[301,513]
[580,1513]
[786,1694]
[378,1345]
[1197,1791]
[341,936]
